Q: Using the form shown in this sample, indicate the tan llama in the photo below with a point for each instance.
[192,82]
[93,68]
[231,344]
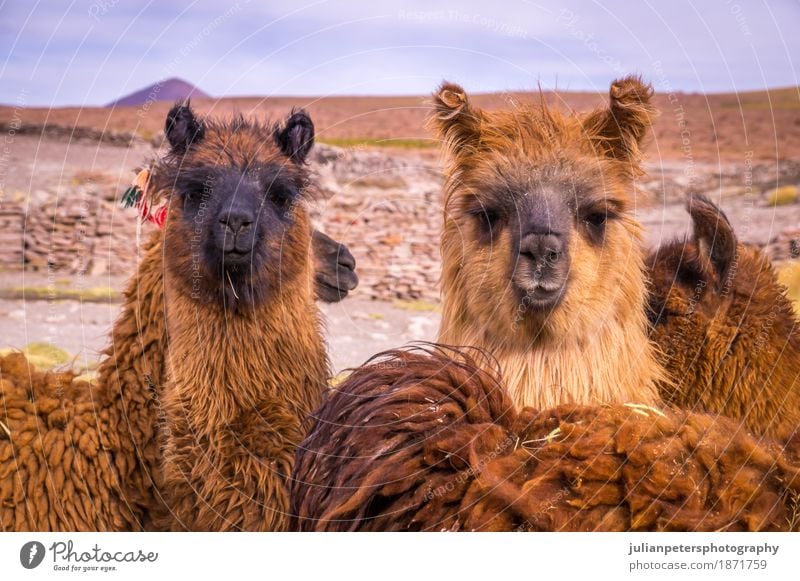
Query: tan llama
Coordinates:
[543,263]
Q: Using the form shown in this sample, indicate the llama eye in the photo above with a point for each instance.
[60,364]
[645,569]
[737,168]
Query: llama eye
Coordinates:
[281,197]
[191,195]
[486,216]
[596,219]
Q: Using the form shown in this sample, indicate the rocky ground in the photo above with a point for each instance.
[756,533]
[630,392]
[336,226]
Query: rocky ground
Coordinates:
[61,230]
[355,328]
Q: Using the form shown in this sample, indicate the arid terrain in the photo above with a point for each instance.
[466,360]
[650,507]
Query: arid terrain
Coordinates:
[710,128]
[68,246]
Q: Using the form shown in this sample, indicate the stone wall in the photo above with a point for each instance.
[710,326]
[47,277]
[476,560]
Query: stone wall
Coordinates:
[386,208]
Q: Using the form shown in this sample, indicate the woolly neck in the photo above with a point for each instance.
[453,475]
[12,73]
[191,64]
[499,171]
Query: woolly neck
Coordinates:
[221,364]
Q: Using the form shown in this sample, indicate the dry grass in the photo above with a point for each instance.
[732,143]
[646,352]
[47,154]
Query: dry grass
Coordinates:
[82,177]
[100,294]
[380,182]
[789,276]
[46,356]
[782,196]
[419,306]
[398,143]
[42,355]
[766,120]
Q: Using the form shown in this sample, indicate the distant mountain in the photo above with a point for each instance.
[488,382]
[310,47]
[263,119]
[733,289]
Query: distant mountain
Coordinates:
[169,90]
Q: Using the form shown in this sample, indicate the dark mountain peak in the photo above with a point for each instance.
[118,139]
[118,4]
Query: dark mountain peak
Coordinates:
[172,89]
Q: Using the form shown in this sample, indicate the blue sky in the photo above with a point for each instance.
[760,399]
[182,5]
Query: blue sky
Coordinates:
[89,53]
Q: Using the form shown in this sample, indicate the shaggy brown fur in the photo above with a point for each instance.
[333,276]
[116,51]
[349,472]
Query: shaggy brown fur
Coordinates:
[73,456]
[728,335]
[543,263]
[82,457]
[430,441]
[246,361]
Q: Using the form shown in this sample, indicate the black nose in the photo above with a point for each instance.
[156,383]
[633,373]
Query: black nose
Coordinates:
[542,249]
[345,258]
[236,220]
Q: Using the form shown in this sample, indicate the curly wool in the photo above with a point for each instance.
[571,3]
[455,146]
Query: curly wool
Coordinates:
[83,457]
[63,456]
[422,439]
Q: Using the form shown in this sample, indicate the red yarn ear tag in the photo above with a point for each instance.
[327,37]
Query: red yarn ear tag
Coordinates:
[150,207]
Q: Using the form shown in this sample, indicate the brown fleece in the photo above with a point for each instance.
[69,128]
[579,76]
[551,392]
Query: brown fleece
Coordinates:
[82,457]
[425,439]
[727,333]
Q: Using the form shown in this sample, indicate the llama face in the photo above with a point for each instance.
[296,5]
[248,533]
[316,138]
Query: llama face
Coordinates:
[537,234]
[694,280]
[237,229]
[715,300]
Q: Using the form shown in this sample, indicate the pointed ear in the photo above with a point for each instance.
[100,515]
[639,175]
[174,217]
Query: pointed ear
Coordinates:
[296,137]
[182,127]
[714,236]
[456,123]
[620,129]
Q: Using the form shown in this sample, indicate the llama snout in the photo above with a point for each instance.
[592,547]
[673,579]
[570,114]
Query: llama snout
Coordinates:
[542,268]
[236,232]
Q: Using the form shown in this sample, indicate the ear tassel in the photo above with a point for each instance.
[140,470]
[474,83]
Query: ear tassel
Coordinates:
[149,205]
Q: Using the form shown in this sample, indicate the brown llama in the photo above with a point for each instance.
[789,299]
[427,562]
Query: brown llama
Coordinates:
[542,261]
[81,457]
[429,440]
[727,333]
[46,416]
[246,361]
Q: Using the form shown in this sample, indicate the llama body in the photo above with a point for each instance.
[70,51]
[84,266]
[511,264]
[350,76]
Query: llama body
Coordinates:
[426,440]
[79,457]
[537,203]
[83,457]
[726,332]
[543,265]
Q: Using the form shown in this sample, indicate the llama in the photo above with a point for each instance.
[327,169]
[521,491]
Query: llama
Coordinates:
[52,422]
[728,336]
[542,262]
[246,362]
[81,457]
[537,227]
[429,440]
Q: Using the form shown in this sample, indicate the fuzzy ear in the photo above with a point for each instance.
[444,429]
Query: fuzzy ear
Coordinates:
[182,127]
[621,128]
[714,236]
[453,119]
[296,137]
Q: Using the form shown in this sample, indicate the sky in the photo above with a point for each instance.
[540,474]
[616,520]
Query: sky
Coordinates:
[82,53]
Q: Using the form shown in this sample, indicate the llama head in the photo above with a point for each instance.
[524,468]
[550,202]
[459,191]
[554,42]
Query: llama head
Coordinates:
[237,231]
[697,274]
[716,304]
[538,239]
